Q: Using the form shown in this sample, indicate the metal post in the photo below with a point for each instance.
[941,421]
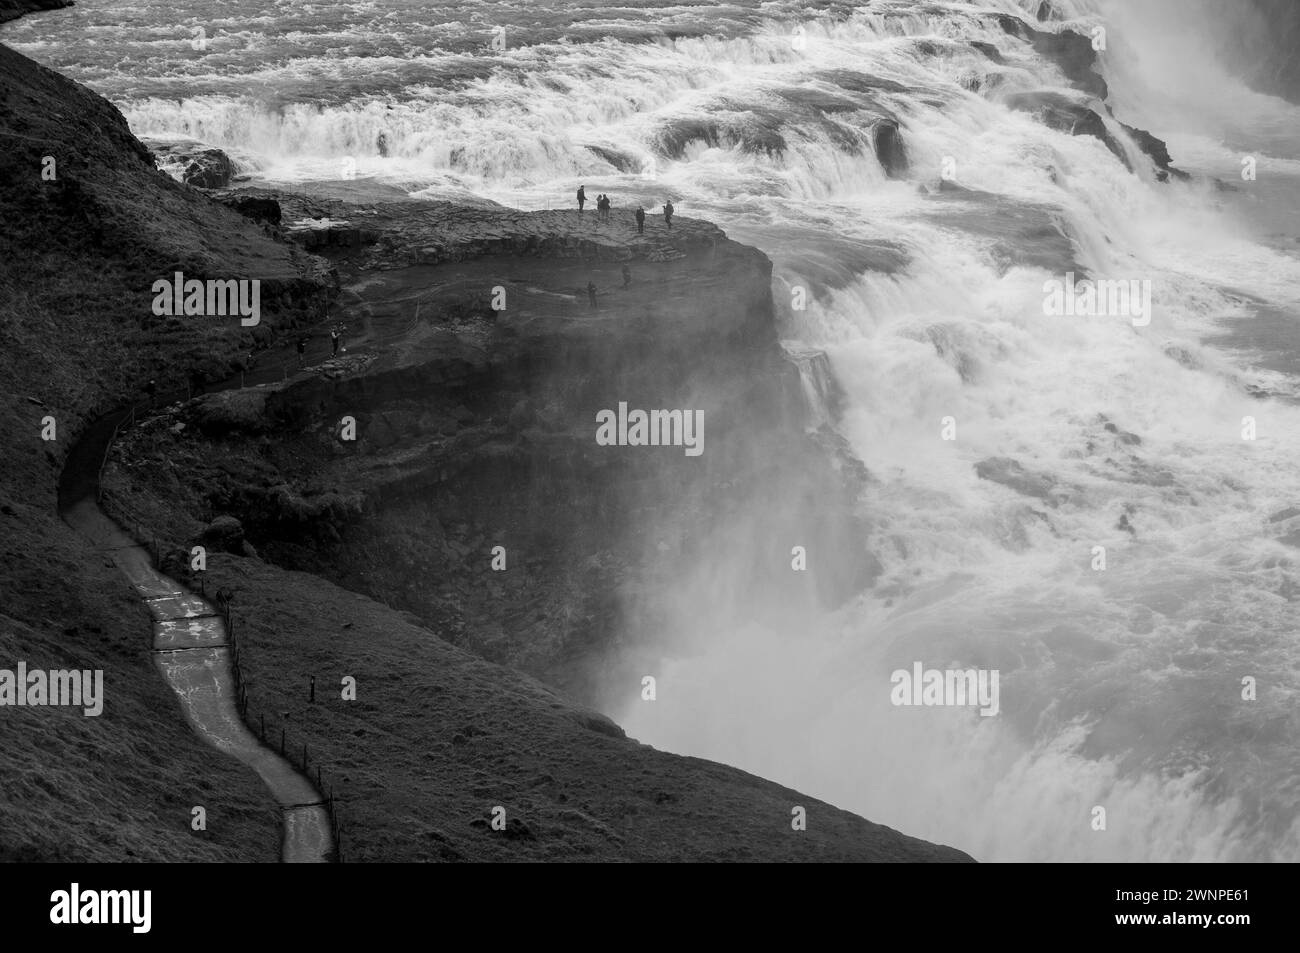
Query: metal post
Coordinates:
[304,756]
[311,697]
[263,729]
[281,742]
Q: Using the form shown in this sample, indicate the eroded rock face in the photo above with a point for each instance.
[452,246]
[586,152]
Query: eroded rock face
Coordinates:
[191,162]
[888,144]
[481,422]
[1073,53]
[1070,51]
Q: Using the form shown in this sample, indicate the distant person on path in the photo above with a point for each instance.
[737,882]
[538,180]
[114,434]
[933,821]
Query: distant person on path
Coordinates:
[668,214]
[302,350]
[591,294]
[334,342]
[582,197]
[602,207]
[640,220]
[627,276]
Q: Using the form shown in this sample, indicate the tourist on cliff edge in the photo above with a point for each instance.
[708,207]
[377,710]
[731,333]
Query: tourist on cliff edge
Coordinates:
[582,197]
[668,214]
[591,294]
[640,220]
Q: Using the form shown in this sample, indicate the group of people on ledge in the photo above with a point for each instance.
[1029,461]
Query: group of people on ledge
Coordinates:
[603,205]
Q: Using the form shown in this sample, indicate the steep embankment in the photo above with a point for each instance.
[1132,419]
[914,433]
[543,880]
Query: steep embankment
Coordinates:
[88,226]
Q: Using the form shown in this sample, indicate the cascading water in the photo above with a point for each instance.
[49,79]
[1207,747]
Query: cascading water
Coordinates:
[1120,688]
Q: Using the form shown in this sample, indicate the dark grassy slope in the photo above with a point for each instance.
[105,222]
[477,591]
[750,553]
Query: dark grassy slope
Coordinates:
[77,256]
[437,738]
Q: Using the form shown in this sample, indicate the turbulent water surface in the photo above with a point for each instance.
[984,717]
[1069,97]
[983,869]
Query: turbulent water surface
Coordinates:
[1119,688]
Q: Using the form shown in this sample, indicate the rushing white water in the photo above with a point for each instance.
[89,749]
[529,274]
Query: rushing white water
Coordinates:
[1120,688]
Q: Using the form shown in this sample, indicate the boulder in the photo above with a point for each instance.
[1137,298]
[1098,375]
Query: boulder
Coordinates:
[887,142]
[191,162]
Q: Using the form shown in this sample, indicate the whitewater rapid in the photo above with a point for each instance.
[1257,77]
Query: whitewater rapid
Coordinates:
[1120,688]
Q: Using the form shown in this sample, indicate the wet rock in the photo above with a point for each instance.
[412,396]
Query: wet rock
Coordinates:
[191,162]
[1286,514]
[1157,151]
[258,209]
[1071,52]
[989,50]
[1124,436]
[887,142]
[1013,476]
[1058,111]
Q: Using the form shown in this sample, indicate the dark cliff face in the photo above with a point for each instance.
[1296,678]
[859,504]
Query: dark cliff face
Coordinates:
[476,428]
[462,414]
[13,9]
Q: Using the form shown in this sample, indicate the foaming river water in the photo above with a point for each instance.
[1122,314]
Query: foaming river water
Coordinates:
[1121,687]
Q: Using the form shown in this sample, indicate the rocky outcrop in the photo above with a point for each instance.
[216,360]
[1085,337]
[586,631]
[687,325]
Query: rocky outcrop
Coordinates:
[192,163]
[13,9]
[466,413]
[887,142]
[258,209]
[1060,112]
[1073,53]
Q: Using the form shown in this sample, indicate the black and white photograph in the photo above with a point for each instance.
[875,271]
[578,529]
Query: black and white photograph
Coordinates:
[724,432]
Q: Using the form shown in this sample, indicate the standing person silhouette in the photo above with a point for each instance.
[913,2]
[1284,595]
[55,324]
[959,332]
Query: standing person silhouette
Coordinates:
[582,197]
[668,214]
[591,294]
[334,342]
[640,220]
